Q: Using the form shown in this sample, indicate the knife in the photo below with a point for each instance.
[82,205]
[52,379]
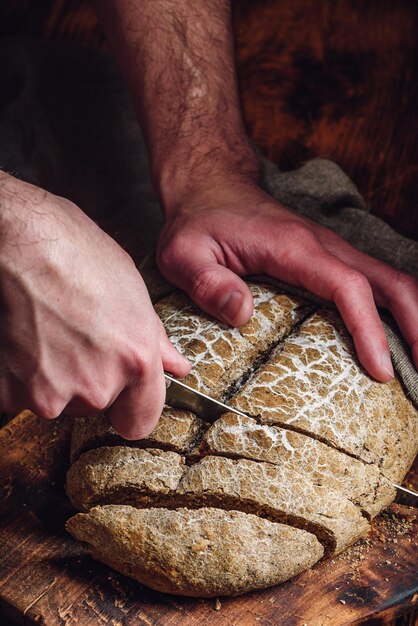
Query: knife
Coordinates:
[181,396]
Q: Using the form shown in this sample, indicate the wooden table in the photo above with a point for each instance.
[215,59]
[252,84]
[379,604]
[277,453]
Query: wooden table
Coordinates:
[46,578]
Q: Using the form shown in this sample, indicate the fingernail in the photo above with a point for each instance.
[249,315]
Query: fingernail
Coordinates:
[386,363]
[230,306]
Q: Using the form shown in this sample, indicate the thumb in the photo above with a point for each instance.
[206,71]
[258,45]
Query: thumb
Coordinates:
[220,292]
[137,409]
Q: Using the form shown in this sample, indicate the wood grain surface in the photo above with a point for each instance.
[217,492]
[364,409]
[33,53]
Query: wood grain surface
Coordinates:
[45,577]
[333,78]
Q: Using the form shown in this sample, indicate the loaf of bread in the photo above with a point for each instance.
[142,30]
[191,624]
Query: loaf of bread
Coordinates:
[243,437]
[246,502]
[151,477]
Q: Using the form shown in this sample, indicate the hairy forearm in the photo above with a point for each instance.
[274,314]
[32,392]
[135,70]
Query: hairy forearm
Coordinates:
[177,57]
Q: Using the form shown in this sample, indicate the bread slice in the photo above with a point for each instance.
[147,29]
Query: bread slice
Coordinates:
[242,437]
[144,477]
[120,474]
[176,430]
[204,552]
[220,355]
[313,383]
[276,493]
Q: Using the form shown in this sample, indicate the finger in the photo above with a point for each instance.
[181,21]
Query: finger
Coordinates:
[137,409]
[401,298]
[323,274]
[221,293]
[212,286]
[173,361]
[392,289]
[354,299]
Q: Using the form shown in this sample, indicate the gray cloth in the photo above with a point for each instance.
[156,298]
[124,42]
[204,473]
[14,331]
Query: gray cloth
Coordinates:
[67,125]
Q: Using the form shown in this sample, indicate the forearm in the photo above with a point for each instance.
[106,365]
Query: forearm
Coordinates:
[177,57]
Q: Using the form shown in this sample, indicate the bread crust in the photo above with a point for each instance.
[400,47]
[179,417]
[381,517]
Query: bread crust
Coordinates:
[145,477]
[204,552]
[221,355]
[313,383]
[242,437]
[176,430]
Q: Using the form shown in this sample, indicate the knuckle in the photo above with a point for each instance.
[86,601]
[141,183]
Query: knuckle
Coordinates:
[143,360]
[203,281]
[405,283]
[46,407]
[354,279]
[44,400]
[97,399]
[289,239]
[299,232]
[171,254]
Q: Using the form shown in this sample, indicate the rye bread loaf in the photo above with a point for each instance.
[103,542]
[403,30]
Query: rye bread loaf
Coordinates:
[237,507]
[145,477]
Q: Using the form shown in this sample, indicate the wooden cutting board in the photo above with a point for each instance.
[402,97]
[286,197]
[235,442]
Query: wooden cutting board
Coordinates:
[45,577]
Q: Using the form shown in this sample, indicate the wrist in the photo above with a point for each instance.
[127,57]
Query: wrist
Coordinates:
[189,169]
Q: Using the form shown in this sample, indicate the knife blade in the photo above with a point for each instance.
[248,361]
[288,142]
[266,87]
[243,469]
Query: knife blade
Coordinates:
[181,396]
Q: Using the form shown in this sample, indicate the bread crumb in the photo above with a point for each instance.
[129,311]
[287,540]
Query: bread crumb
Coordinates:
[200,546]
[217,605]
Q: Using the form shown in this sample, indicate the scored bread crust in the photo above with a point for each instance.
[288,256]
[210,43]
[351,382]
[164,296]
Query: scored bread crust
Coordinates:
[316,457]
[221,355]
[204,552]
[243,437]
[313,383]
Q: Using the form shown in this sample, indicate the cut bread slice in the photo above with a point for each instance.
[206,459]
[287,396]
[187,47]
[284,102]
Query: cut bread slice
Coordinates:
[176,430]
[242,437]
[151,477]
[278,494]
[204,552]
[122,474]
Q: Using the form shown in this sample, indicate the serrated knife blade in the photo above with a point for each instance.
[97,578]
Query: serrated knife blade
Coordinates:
[181,396]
